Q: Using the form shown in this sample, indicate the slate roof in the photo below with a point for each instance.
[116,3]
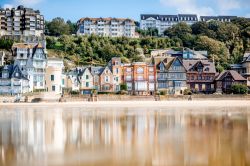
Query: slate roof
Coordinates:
[11,71]
[169,17]
[236,76]
[188,64]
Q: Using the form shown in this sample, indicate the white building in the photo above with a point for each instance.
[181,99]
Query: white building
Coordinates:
[2,58]
[54,75]
[21,23]
[32,59]
[112,27]
[163,22]
[217,18]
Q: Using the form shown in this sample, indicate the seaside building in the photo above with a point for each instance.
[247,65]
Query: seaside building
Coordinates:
[116,68]
[217,18]
[54,81]
[171,75]
[226,79]
[13,80]
[111,27]
[71,81]
[140,78]
[32,59]
[86,81]
[21,23]
[106,80]
[200,75]
[163,22]
[244,67]
[2,58]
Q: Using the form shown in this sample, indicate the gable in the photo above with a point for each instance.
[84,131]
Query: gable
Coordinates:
[177,65]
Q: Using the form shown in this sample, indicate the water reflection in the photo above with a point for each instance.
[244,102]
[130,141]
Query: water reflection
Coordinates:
[77,136]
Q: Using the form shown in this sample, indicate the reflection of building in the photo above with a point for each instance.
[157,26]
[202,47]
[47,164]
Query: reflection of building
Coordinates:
[167,137]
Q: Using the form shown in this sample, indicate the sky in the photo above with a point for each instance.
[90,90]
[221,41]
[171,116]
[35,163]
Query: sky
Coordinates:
[75,9]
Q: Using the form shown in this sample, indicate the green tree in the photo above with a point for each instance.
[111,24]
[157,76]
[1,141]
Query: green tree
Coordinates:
[239,89]
[58,27]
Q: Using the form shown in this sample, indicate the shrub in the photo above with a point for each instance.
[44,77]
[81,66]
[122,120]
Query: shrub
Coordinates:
[74,93]
[163,93]
[124,87]
[123,92]
[239,89]
[187,92]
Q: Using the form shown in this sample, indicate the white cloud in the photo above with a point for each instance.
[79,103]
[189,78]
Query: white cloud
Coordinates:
[28,2]
[226,5]
[188,6]
[7,6]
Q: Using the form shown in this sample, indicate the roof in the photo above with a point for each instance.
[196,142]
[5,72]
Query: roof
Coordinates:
[108,19]
[236,76]
[188,64]
[96,70]
[11,69]
[169,17]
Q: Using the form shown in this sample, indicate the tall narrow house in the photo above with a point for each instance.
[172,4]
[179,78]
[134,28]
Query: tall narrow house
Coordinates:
[171,75]
[32,59]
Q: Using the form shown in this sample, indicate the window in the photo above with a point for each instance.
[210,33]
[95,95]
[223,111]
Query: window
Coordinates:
[53,88]
[128,78]
[52,77]
[151,69]
[140,70]
[117,79]
[62,81]
[151,77]
[87,77]
[128,70]
[161,67]
[87,84]
[106,78]
[139,78]
[17,74]
[117,70]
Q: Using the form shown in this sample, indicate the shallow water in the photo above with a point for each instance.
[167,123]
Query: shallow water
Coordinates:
[75,136]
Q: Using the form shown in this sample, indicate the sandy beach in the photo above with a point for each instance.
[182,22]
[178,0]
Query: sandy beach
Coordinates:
[148,104]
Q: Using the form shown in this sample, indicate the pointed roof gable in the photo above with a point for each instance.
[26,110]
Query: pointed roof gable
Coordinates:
[236,76]
[172,62]
[107,67]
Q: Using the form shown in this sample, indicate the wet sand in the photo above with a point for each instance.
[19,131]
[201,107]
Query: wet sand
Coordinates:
[149,104]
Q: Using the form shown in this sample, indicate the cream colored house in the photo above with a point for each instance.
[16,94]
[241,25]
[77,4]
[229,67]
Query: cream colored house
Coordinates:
[86,81]
[54,75]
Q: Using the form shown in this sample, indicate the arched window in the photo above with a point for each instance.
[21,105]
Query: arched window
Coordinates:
[140,70]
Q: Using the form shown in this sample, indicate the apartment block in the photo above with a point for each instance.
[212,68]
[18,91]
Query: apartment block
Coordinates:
[111,27]
[163,22]
[21,23]
[217,18]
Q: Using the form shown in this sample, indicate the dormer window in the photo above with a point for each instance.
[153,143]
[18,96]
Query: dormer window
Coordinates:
[17,74]
[207,69]
[162,67]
